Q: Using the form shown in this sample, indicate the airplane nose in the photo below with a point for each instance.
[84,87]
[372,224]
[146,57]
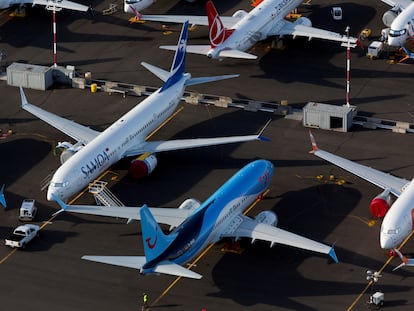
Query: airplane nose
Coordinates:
[387,242]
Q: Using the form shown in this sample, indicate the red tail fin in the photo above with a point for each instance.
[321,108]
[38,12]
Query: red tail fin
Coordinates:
[217,32]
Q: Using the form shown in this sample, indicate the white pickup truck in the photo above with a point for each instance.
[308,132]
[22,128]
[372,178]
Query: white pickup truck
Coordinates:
[22,235]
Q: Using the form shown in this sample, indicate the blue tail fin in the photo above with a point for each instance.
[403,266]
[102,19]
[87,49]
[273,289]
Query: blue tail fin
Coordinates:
[178,65]
[155,241]
[2,198]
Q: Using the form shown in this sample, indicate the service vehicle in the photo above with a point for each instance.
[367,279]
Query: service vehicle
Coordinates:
[375,49]
[28,210]
[22,235]
[336,13]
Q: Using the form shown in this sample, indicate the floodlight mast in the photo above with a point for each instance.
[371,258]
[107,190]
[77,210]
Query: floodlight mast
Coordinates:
[348,46]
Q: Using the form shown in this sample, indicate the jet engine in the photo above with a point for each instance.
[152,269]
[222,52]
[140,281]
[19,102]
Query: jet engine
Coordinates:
[389,17]
[304,21]
[68,150]
[143,166]
[239,14]
[190,204]
[380,205]
[267,218]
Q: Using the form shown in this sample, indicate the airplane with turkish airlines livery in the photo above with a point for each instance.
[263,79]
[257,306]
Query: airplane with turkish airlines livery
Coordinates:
[59,4]
[232,36]
[398,216]
[196,225]
[95,151]
[400,20]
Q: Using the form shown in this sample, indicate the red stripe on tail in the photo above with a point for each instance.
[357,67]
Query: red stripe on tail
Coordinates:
[217,32]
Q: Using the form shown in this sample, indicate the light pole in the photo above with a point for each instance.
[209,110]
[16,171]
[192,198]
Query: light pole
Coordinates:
[54,8]
[348,46]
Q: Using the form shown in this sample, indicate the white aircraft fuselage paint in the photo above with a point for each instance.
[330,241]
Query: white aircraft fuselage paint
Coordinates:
[109,147]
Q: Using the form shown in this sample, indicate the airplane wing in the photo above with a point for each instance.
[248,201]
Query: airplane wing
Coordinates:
[204,49]
[376,177]
[401,3]
[168,216]
[64,4]
[178,144]
[136,262]
[228,21]
[77,131]
[294,30]
[250,228]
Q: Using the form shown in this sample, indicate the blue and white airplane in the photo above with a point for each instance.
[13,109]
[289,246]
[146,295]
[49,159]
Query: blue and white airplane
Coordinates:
[199,224]
[2,198]
[95,152]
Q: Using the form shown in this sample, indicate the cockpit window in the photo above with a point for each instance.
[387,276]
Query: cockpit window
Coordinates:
[397,33]
[59,184]
[392,231]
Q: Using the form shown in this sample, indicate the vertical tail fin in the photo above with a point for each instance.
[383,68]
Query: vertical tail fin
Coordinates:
[217,32]
[178,65]
[155,241]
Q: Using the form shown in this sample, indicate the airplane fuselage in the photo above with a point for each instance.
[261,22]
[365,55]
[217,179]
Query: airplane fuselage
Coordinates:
[256,25]
[398,222]
[208,222]
[110,146]
[402,27]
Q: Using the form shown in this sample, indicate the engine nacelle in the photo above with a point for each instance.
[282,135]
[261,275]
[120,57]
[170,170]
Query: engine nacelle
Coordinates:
[389,17]
[380,205]
[68,150]
[140,168]
[66,154]
[304,21]
[239,14]
[267,218]
[190,204]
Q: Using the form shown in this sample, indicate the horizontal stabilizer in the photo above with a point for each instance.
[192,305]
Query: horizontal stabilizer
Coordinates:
[236,54]
[134,262]
[64,4]
[194,81]
[168,267]
[160,73]
[194,49]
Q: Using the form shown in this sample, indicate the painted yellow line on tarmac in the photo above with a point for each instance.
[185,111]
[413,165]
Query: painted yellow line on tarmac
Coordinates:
[177,279]
[379,271]
[9,255]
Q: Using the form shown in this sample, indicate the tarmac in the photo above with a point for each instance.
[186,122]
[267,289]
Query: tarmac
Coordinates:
[49,273]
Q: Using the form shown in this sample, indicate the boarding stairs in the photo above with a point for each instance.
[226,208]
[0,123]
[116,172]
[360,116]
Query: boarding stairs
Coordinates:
[102,195]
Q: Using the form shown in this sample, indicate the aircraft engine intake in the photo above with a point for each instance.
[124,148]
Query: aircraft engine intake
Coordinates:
[380,205]
[240,14]
[304,21]
[267,217]
[190,204]
[66,154]
[142,166]
[68,150]
[389,17]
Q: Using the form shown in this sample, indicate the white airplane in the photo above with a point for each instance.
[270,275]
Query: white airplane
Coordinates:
[199,224]
[398,216]
[400,19]
[133,6]
[95,152]
[2,198]
[232,36]
[63,4]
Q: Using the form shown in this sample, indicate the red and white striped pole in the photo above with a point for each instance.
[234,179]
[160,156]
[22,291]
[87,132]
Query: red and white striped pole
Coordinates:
[348,66]
[54,37]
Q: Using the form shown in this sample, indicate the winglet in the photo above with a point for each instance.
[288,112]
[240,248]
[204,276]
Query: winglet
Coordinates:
[62,204]
[333,254]
[403,259]
[263,138]
[2,198]
[23,97]
[313,142]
